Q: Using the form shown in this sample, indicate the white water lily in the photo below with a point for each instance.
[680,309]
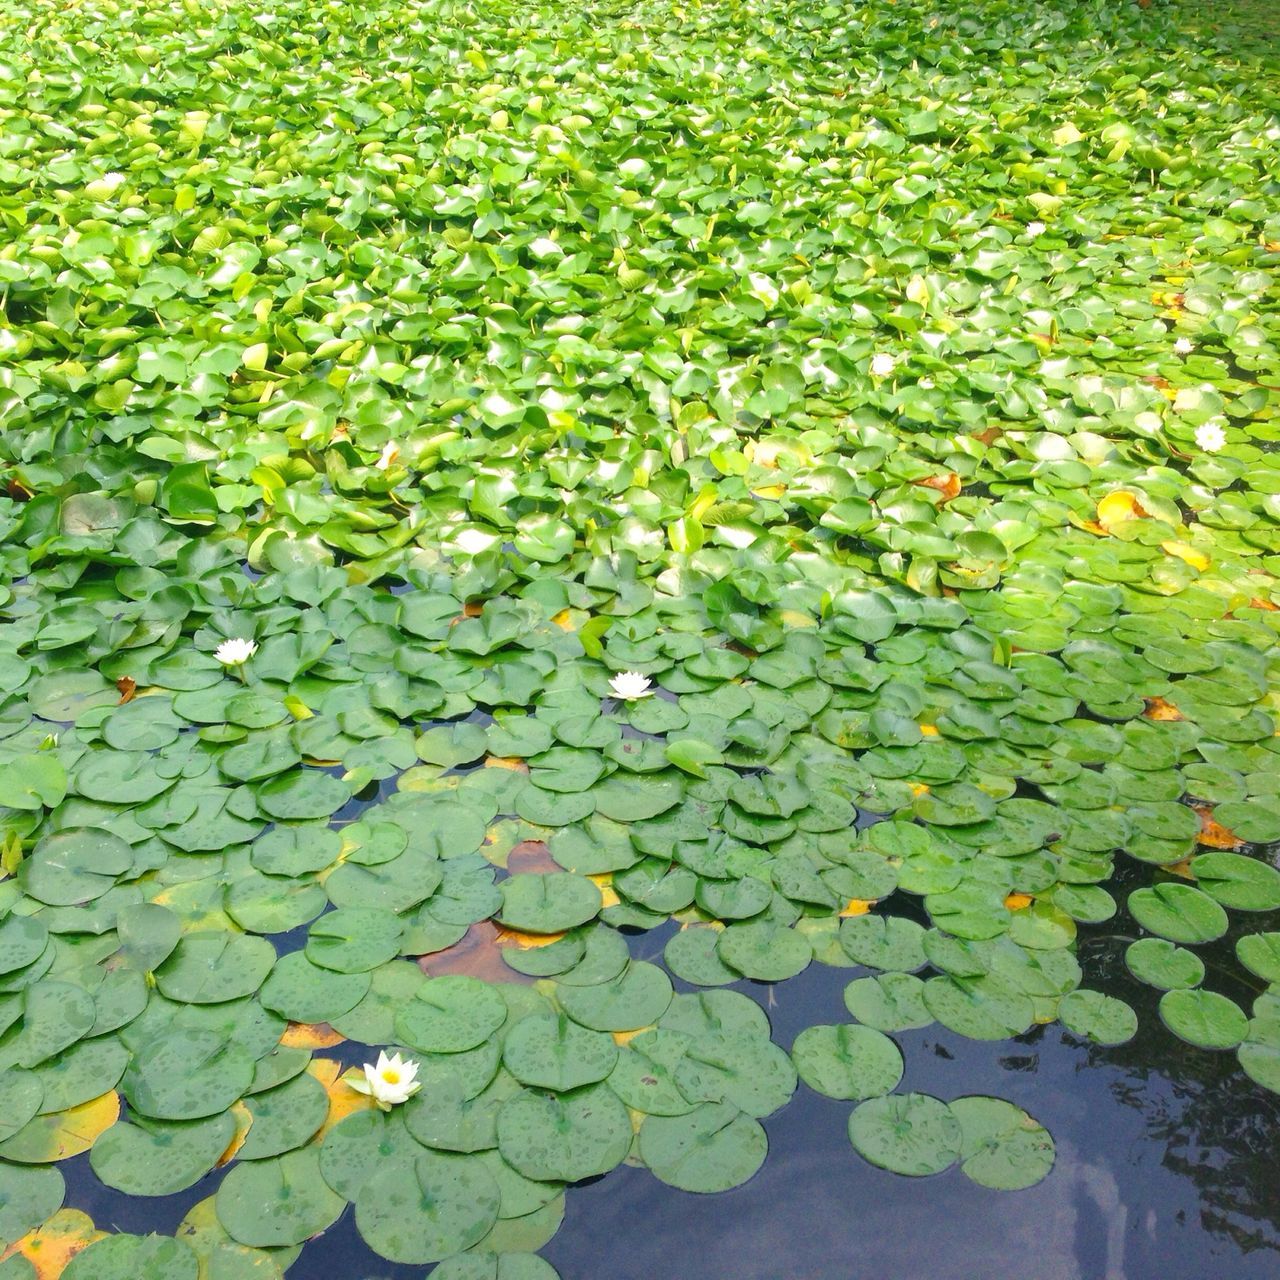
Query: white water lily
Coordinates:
[389,456]
[235,652]
[1210,436]
[1184,346]
[389,1081]
[882,364]
[630,685]
[1035,229]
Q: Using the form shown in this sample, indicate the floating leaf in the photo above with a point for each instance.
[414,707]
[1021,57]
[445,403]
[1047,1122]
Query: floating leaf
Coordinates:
[909,1133]
[1204,1018]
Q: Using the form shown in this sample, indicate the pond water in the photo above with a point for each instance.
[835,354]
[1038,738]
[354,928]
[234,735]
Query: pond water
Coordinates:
[1165,1165]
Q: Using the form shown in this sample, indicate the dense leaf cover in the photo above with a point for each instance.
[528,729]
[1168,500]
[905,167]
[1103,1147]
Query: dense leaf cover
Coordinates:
[891,384]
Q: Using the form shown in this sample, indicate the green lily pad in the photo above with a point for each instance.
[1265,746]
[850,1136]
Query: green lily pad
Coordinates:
[306,992]
[74,866]
[1260,954]
[284,1117]
[888,943]
[359,1146]
[1204,1018]
[1161,964]
[549,1052]
[909,1133]
[1000,1145]
[209,967]
[1099,1018]
[1244,884]
[978,1008]
[747,1070]
[28,1195]
[693,954]
[765,951]
[890,1002]
[548,903]
[125,1257]
[160,1158]
[713,1148]
[450,1014]
[1178,912]
[644,1074]
[277,1202]
[637,997]
[564,1138]
[847,1062]
[354,939]
[186,1075]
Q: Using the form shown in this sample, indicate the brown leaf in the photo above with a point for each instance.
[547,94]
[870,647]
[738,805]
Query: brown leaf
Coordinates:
[128,687]
[948,485]
[477,954]
[1159,709]
[1213,835]
[532,856]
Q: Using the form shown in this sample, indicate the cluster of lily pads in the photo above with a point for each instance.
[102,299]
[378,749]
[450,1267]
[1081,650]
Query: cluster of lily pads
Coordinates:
[481,485]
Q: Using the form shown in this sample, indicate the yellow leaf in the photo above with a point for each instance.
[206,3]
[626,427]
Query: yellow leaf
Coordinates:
[1196,559]
[604,882]
[1016,901]
[919,788]
[49,1248]
[929,730]
[513,938]
[64,1134]
[215,1250]
[514,763]
[310,1035]
[244,1119]
[564,620]
[771,491]
[343,1100]
[857,907]
[1159,709]
[1066,134]
[1118,507]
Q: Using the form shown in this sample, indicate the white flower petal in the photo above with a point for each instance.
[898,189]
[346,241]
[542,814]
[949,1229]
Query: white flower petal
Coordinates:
[235,652]
[630,685]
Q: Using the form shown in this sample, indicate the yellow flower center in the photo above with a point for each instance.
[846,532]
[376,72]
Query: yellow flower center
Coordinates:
[390,1076]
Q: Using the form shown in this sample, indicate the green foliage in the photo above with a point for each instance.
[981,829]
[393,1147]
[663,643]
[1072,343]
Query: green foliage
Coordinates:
[909,431]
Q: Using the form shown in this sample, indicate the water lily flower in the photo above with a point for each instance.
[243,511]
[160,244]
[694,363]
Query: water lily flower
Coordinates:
[235,652]
[630,685]
[1210,436]
[389,1081]
[882,364]
[1184,346]
[389,456]
[1035,229]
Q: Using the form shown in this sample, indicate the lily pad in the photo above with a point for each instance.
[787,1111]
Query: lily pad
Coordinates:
[450,1014]
[564,1138]
[277,1202]
[1162,964]
[1001,1146]
[1204,1018]
[909,1133]
[713,1148]
[1178,912]
[847,1062]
